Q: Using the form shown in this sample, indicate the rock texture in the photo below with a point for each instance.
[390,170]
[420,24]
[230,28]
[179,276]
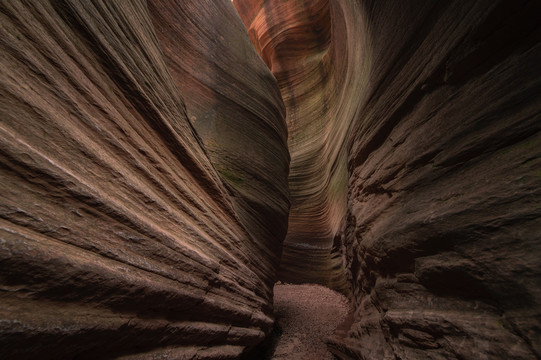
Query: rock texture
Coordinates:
[144,175]
[122,232]
[436,107]
[234,104]
[303,335]
[294,40]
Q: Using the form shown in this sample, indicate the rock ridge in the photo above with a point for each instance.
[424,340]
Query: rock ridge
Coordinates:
[121,233]
[432,126]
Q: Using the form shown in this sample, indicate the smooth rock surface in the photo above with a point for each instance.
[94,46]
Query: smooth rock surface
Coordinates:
[440,105]
[235,106]
[121,234]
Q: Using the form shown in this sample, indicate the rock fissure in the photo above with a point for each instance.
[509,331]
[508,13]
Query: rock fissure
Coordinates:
[165,163]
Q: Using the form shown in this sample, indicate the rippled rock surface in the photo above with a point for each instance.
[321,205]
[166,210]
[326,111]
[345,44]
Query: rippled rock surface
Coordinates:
[314,75]
[430,110]
[144,175]
[143,181]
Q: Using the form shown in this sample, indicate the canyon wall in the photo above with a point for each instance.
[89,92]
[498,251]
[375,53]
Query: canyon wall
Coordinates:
[434,107]
[126,229]
[144,175]
[444,193]
[294,40]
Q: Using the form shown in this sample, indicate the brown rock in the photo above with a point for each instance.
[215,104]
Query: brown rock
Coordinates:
[435,105]
[144,175]
[294,39]
[118,235]
[235,106]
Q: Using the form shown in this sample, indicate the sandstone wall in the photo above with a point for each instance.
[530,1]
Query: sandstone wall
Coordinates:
[294,40]
[440,100]
[144,175]
[122,232]
[444,199]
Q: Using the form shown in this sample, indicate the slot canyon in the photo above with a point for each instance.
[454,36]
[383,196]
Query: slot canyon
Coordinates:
[164,163]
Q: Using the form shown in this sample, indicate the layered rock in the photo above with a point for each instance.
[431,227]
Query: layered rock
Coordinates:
[441,236]
[235,106]
[444,197]
[144,168]
[294,40]
[123,233]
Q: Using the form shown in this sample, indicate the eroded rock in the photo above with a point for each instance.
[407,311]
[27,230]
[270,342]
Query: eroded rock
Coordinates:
[439,102]
[294,40]
[120,234]
[144,170]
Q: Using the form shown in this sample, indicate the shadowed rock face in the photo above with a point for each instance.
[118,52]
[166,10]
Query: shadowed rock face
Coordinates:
[434,108]
[126,229]
[235,106]
[144,175]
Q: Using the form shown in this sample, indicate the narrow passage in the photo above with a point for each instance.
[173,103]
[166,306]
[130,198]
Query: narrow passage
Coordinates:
[307,314]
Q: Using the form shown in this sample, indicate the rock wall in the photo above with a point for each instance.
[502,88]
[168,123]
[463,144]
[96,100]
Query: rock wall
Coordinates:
[294,40]
[235,106]
[144,175]
[440,100]
[125,229]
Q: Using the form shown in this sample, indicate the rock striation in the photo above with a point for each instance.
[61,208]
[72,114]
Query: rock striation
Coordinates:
[128,230]
[434,107]
[145,171]
[233,103]
[294,40]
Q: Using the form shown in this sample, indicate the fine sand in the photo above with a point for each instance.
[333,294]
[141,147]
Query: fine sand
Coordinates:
[307,315]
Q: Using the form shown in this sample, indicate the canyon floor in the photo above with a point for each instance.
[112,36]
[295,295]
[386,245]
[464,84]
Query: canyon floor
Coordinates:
[307,315]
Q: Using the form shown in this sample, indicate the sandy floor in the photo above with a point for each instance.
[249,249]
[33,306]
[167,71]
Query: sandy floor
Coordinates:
[307,314]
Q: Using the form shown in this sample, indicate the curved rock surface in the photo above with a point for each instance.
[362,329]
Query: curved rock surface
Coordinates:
[436,108]
[144,175]
[294,39]
[235,106]
[122,232]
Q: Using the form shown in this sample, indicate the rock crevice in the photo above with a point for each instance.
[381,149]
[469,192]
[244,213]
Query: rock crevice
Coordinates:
[163,163]
[433,130]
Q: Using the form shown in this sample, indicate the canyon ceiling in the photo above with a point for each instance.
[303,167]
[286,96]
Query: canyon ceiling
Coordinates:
[164,163]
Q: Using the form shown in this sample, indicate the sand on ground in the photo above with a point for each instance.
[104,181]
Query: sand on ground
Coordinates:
[307,314]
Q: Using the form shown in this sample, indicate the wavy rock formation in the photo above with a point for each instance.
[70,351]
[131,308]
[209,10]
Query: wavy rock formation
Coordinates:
[434,106]
[294,40]
[144,175]
[122,232]
[235,106]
